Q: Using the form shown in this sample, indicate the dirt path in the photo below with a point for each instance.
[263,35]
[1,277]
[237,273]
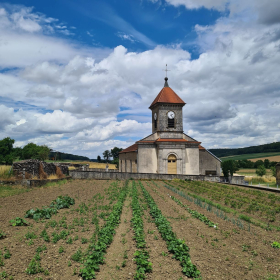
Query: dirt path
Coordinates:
[217,253]
[119,262]
[164,267]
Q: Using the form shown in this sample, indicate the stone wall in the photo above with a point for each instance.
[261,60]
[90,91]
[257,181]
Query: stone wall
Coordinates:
[278,173]
[101,170]
[31,166]
[77,174]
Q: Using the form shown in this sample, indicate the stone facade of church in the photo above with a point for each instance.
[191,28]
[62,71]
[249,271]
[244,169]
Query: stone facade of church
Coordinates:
[168,150]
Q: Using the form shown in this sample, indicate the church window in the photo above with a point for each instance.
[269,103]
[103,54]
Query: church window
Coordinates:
[155,124]
[170,123]
[171,117]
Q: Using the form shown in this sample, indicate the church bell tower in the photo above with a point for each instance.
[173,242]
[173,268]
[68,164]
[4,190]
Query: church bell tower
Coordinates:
[167,113]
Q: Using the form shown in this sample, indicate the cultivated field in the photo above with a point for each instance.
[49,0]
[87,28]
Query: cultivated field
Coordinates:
[135,230]
[254,157]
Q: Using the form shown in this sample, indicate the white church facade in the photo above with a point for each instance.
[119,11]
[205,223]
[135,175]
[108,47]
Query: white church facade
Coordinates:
[168,150]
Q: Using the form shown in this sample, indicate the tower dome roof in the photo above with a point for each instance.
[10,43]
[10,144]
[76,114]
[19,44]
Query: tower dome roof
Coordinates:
[167,95]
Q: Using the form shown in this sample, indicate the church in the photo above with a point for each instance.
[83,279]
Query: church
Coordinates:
[168,150]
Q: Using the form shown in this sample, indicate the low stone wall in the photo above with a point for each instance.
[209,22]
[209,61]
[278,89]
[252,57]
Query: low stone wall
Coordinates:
[39,183]
[234,180]
[31,166]
[101,170]
[278,173]
[78,174]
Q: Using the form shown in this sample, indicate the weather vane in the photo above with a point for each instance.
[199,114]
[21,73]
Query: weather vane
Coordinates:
[166,70]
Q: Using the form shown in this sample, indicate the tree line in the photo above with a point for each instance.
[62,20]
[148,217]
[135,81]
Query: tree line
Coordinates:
[231,166]
[110,156]
[266,148]
[9,153]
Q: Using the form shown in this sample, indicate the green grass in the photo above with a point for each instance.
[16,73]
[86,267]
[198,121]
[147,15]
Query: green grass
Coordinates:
[11,190]
[250,156]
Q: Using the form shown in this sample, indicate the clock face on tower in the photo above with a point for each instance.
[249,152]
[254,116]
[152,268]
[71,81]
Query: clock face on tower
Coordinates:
[171,115]
[155,116]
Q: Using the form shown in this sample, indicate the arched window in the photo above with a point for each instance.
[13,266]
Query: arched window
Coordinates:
[170,123]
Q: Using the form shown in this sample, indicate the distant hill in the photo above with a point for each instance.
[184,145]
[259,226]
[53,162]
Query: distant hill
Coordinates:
[266,148]
[65,156]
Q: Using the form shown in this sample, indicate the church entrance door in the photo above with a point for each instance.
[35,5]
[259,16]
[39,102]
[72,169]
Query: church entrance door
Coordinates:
[172,164]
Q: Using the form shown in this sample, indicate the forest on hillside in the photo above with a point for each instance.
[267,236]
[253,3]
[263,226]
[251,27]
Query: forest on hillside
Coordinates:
[266,148]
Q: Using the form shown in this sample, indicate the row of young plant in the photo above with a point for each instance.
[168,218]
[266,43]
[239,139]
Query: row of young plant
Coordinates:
[211,208]
[268,205]
[141,255]
[175,246]
[195,214]
[47,212]
[96,255]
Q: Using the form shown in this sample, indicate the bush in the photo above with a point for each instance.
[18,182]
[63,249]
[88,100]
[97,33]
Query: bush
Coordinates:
[261,170]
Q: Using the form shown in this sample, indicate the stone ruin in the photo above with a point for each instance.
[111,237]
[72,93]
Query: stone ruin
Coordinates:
[28,169]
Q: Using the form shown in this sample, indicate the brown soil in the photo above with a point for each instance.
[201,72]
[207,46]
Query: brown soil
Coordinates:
[55,262]
[221,253]
[123,242]
[164,267]
[224,253]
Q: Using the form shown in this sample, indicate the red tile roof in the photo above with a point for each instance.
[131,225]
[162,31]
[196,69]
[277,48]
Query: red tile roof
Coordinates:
[132,148]
[167,95]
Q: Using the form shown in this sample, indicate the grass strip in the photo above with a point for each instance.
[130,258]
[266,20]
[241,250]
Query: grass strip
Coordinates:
[175,246]
[141,255]
[95,257]
[195,214]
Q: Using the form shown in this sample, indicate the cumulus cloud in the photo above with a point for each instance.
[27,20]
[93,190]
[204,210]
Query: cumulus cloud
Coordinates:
[82,100]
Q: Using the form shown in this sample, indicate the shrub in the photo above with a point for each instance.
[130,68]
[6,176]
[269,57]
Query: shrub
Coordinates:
[59,173]
[18,222]
[42,173]
[261,170]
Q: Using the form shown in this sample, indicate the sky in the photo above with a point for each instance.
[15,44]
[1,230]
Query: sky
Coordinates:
[79,76]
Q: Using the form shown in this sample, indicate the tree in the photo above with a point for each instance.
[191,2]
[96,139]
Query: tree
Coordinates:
[6,149]
[116,162]
[115,152]
[107,155]
[266,163]
[261,170]
[229,167]
[43,152]
[258,163]
[273,170]
[30,151]
[33,151]
[17,152]
[99,158]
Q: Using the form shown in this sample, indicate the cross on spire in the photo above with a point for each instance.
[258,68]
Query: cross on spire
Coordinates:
[166,71]
[166,79]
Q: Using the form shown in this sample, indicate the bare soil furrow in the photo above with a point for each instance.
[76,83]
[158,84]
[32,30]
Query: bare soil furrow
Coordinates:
[164,267]
[218,252]
[119,263]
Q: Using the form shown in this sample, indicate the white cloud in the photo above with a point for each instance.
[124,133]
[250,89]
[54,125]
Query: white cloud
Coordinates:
[74,94]
[127,37]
